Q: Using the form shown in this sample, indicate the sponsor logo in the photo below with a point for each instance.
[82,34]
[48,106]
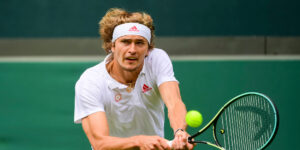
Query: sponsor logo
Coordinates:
[146,88]
[134,29]
[118,97]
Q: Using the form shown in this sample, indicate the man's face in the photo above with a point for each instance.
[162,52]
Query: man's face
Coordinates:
[130,51]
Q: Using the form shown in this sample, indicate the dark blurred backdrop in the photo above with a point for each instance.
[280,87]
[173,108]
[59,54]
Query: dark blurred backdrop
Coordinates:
[70,27]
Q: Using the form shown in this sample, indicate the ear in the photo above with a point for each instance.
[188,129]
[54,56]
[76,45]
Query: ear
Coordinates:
[113,47]
[147,52]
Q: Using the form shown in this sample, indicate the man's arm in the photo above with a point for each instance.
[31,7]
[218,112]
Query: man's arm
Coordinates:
[170,94]
[96,128]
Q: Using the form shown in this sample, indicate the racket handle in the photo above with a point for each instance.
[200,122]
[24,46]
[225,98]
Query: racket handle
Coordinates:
[190,140]
[170,143]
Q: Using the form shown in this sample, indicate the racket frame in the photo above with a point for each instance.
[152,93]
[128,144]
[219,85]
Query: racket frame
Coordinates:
[215,118]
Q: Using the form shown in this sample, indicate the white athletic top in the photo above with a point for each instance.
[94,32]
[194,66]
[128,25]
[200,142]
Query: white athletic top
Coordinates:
[140,112]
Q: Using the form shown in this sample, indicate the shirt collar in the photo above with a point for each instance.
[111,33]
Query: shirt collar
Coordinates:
[112,83]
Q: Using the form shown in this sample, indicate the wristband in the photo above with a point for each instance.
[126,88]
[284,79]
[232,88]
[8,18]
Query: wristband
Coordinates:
[178,130]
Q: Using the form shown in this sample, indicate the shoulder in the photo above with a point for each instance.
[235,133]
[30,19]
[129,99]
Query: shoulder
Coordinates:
[92,75]
[156,52]
[157,55]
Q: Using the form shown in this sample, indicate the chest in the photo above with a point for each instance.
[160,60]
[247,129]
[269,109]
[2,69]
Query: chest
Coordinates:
[144,96]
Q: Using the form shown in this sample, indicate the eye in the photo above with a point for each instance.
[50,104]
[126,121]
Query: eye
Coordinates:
[140,42]
[125,41]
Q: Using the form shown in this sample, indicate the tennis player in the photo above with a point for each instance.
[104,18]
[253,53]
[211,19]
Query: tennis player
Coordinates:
[120,101]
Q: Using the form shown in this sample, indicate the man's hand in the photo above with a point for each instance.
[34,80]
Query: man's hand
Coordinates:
[180,141]
[152,143]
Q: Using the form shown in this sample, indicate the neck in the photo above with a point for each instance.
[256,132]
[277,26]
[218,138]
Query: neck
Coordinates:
[123,76]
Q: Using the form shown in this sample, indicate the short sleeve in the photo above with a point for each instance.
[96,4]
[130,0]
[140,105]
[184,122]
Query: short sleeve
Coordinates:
[87,97]
[162,66]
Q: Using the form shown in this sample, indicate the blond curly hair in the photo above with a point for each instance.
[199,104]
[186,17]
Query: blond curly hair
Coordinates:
[117,16]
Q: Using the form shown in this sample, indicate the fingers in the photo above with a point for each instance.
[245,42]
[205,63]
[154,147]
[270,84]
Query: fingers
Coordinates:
[165,144]
[153,143]
[180,141]
[190,146]
[162,144]
[156,146]
[157,143]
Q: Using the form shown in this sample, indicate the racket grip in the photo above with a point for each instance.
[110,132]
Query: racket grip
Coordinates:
[170,143]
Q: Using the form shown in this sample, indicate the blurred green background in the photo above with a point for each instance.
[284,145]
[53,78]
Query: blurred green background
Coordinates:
[37,99]
[261,38]
[65,18]
[214,27]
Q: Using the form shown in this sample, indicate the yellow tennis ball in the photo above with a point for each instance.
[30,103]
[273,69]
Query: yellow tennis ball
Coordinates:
[193,118]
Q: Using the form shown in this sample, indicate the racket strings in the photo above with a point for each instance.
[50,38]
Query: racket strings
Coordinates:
[246,123]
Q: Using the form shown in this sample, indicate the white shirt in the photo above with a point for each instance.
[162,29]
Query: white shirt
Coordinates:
[140,112]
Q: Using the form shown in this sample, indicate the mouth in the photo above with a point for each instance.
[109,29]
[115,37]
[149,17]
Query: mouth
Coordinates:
[131,58]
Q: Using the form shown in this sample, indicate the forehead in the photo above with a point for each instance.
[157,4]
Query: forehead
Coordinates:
[132,37]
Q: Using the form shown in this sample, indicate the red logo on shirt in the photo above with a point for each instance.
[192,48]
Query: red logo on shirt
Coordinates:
[118,97]
[146,88]
[134,29]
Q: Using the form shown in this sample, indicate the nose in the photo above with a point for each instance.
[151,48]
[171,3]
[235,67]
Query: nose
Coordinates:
[132,48]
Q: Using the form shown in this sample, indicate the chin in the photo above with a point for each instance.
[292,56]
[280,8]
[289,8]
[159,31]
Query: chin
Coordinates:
[130,68]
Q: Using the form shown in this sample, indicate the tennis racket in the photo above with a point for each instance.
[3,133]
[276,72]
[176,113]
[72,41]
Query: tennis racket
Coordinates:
[247,122]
